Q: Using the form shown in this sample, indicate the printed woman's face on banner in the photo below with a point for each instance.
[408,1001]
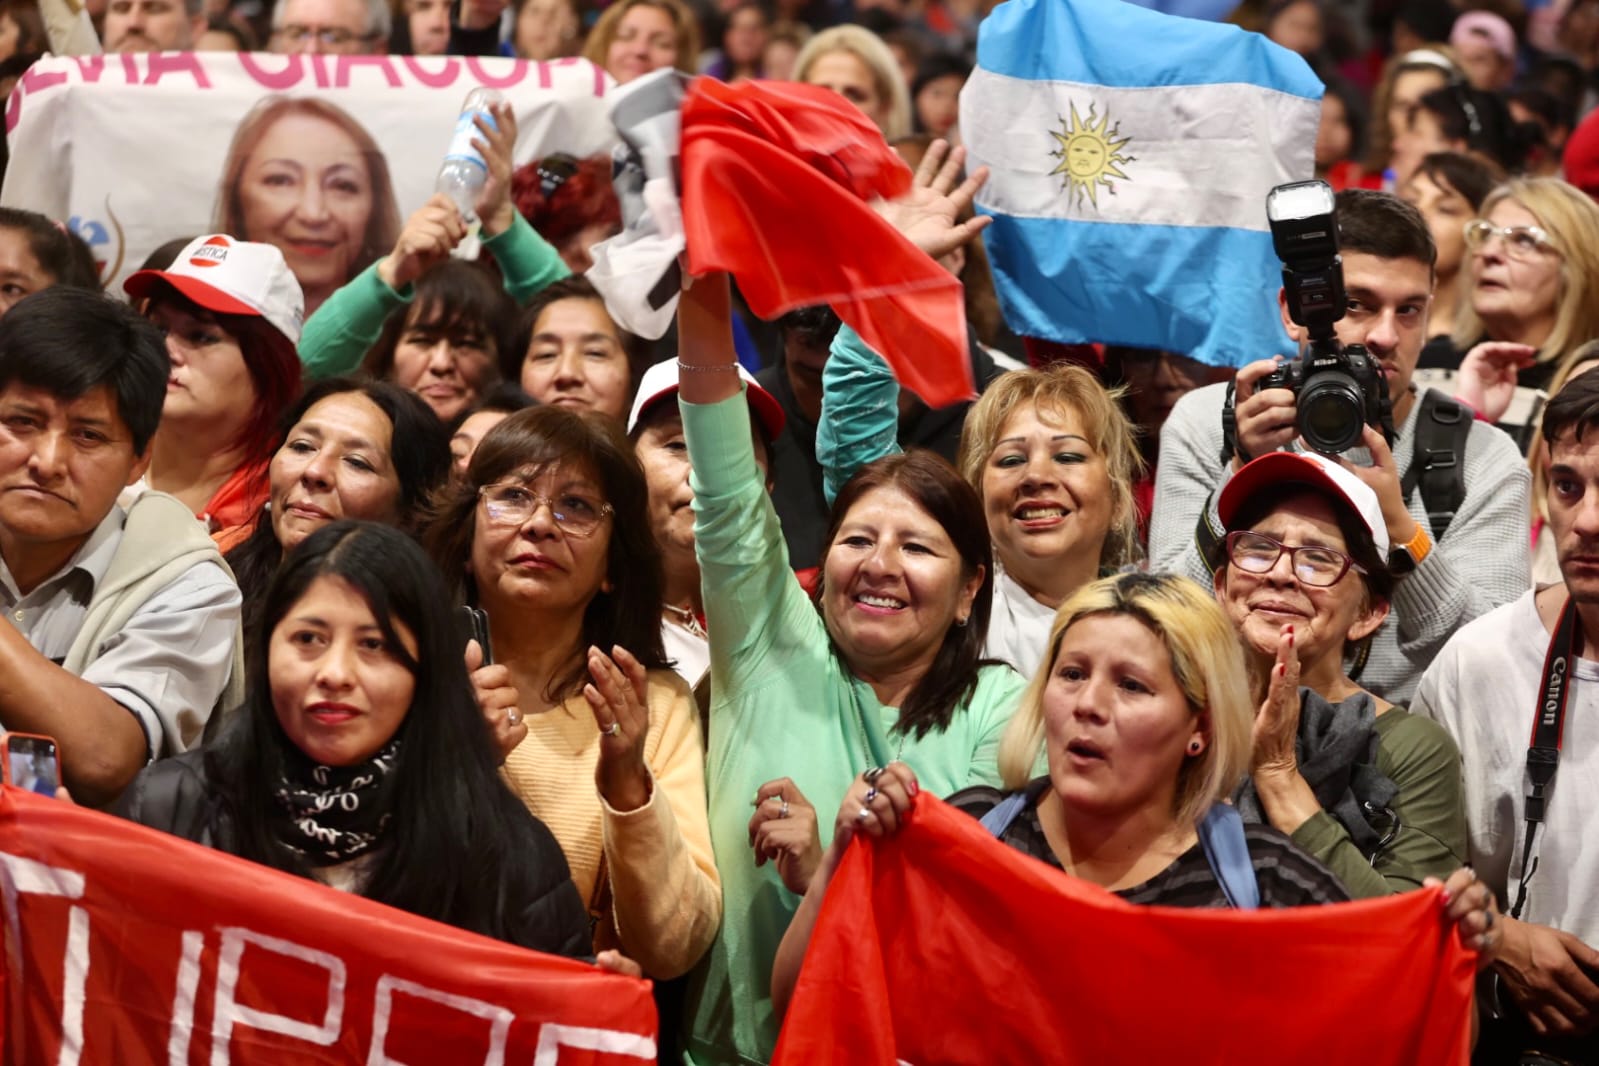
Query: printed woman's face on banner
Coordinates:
[307,188]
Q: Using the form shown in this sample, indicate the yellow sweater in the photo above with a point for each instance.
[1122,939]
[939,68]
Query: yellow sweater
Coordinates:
[665,895]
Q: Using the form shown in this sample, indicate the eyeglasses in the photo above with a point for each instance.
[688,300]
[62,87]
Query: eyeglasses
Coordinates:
[1256,553]
[326,36]
[1521,242]
[513,505]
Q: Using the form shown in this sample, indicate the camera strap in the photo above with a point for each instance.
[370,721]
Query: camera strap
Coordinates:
[1438,462]
[1548,731]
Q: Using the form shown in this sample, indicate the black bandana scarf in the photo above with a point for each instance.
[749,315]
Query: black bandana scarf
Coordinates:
[332,814]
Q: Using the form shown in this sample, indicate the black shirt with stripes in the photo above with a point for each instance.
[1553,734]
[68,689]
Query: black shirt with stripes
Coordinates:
[1287,877]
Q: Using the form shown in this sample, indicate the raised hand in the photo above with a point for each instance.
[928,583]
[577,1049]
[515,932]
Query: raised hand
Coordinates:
[926,214]
[494,206]
[618,697]
[1277,723]
[1488,374]
[426,240]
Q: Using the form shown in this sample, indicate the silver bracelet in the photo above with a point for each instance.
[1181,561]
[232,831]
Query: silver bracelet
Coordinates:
[706,367]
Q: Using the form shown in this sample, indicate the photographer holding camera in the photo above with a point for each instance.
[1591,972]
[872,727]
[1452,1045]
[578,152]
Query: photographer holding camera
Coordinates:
[1453,492]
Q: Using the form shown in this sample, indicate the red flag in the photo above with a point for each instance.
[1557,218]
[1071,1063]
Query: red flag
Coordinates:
[127,946]
[775,182]
[942,945]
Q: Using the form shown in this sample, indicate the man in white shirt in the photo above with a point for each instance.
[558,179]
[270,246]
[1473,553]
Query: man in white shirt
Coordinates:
[122,625]
[1491,688]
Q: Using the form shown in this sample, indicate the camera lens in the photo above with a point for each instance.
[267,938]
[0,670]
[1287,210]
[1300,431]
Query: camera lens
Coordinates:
[1331,412]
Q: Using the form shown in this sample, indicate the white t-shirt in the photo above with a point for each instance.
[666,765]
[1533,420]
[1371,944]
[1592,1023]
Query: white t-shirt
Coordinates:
[689,650]
[1484,689]
[1018,626]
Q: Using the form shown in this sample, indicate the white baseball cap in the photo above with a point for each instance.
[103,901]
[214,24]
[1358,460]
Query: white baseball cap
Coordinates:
[1277,472]
[232,277]
[659,384]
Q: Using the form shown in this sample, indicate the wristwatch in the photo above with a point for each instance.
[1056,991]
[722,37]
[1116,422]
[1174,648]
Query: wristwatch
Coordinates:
[1406,557]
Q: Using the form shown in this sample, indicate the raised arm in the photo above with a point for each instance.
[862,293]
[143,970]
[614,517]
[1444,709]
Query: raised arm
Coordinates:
[754,608]
[348,323]
[860,411]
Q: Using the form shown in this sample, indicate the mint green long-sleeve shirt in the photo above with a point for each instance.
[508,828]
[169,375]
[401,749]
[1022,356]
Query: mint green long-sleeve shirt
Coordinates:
[785,705]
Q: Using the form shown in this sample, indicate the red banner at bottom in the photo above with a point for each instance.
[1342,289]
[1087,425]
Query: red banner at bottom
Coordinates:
[942,945]
[127,946]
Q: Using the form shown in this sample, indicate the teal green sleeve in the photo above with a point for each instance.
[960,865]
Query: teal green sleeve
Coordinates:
[860,411]
[341,332]
[337,336]
[753,603]
[528,262]
[1418,756]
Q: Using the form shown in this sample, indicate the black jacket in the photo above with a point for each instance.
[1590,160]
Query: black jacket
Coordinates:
[173,795]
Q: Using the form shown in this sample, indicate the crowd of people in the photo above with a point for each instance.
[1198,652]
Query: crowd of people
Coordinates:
[418,575]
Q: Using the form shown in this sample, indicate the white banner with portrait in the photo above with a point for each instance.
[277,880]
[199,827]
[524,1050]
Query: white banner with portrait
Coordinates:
[323,156]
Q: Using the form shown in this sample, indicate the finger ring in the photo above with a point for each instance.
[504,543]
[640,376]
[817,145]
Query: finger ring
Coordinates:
[782,812]
[871,794]
[872,774]
[865,813]
[513,717]
[612,729]
[1488,919]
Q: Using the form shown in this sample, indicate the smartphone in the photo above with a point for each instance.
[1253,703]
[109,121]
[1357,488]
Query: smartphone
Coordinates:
[29,761]
[477,628]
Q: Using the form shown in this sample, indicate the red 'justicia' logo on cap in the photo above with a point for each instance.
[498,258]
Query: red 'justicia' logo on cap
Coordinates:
[212,253]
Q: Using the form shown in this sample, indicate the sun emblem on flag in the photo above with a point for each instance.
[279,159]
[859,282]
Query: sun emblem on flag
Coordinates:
[1090,155]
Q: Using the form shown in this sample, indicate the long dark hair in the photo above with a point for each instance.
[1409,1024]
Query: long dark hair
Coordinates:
[419,448]
[938,489]
[630,613]
[455,827]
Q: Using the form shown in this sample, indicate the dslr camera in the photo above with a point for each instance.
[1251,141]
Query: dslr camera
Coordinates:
[1337,389]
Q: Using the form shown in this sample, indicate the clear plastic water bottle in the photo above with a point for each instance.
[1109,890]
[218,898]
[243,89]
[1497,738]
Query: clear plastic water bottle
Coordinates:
[464,172]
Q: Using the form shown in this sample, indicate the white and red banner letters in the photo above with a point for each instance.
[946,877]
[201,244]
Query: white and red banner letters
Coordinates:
[127,947]
[130,150]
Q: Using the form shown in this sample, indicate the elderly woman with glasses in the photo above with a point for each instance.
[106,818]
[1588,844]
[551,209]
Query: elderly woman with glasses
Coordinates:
[1531,271]
[1362,785]
[549,534]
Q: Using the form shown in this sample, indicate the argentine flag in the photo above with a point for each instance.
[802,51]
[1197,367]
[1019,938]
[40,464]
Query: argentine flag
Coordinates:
[1131,153]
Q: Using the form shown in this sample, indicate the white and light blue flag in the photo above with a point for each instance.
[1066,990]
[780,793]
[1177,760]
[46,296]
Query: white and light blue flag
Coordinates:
[1131,153]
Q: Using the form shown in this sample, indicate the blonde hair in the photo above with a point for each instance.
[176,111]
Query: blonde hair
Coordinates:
[598,44]
[869,48]
[383,224]
[1206,659]
[1571,219]
[1064,390]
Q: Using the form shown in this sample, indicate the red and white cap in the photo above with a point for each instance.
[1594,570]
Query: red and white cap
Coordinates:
[232,277]
[659,383]
[1277,472]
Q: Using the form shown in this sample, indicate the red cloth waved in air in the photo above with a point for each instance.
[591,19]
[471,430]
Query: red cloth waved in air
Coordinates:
[776,179]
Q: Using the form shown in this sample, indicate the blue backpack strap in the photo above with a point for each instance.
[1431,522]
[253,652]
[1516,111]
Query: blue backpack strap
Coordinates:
[1003,813]
[1221,834]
